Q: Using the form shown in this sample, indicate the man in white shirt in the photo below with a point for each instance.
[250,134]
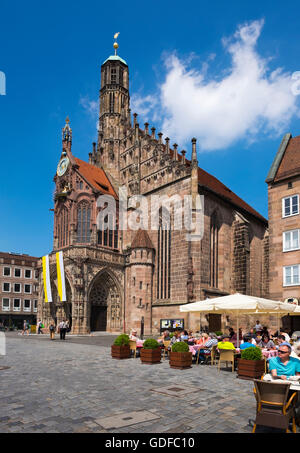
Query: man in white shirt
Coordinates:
[258,326]
[62,329]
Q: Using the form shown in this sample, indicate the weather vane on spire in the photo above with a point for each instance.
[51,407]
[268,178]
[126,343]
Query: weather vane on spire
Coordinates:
[116,45]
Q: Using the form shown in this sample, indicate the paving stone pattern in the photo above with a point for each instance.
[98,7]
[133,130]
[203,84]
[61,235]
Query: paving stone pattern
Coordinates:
[73,386]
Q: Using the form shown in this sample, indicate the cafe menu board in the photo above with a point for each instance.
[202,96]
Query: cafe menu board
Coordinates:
[171,324]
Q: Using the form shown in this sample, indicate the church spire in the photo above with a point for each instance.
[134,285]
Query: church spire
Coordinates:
[67,131]
[67,136]
[114,118]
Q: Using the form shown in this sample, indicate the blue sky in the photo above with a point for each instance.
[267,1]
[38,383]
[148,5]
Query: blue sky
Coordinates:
[188,59]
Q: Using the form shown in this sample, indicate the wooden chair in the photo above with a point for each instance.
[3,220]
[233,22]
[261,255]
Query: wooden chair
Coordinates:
[274,407]
[208,356]
[132,346]
[166,350]
[226,355]
[213,355]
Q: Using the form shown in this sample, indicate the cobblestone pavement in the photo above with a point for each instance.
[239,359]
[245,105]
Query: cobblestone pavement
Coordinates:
[67,386]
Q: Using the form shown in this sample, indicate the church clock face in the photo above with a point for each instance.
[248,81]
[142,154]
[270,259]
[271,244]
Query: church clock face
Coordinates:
[62,166]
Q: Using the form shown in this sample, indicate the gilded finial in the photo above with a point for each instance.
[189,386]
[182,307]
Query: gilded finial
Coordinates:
[67,120]
[116,45]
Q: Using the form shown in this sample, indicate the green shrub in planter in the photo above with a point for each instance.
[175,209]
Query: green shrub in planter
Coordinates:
[218,333]
[180,346]
[150,344]
[122,340]
[252,354]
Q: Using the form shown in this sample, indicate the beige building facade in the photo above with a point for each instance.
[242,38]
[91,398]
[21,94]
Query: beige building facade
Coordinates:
[19,289]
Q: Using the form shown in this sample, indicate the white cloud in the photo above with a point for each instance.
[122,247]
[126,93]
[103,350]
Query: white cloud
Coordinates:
[245,102]
[144,106]
[91,107]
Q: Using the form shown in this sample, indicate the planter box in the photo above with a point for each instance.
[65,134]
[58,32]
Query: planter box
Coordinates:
[250,369]
[150,356]
[180,360]
[120,352]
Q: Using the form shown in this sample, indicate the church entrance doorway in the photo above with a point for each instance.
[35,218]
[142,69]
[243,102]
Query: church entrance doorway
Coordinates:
[98,318]
[104,303]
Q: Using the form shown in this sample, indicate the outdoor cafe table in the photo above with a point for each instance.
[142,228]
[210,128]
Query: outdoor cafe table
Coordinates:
[266,353]
[294,384]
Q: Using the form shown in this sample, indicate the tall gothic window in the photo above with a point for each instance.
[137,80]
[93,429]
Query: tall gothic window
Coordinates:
[63,228]
[83,223]
[164,256]
[108,237]
[214,239]
[111,102]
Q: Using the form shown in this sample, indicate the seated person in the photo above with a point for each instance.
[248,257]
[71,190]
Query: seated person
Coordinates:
[225,343]
[133,336]
[247,342]
[296,350]
[231,332]
[165,336]
[203,339]
[284,366]
[207,346]
[286,335]
[175,338]
[265,331]
[234,337]
[266,343]
[184,336]
[280,340]
[251,334]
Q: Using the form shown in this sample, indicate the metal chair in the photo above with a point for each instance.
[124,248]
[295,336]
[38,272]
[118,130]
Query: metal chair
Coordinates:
[275,408]
[132,346]
[226,355]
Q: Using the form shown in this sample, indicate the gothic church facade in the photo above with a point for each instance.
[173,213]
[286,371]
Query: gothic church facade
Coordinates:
[121,279]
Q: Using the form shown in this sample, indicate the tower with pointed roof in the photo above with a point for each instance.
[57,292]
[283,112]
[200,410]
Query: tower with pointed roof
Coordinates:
[114,116]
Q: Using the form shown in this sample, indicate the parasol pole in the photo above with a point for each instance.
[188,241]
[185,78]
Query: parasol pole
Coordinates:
[237,328]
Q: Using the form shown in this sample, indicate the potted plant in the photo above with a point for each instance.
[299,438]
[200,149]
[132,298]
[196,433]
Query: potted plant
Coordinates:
[120,349]
[150,352]
[180,356]
[251,365]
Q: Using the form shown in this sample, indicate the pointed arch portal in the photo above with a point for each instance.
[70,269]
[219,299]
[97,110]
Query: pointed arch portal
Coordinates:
[105,304]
